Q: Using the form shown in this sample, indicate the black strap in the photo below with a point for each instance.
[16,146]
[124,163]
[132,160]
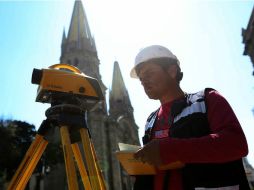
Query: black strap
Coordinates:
[149,125]
[166,180]
[144,182]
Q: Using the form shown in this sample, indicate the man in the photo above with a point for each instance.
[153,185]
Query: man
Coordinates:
[199,130]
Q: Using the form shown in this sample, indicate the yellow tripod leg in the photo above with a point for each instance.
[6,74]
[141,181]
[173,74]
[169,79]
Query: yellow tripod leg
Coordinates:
[68,158]
[28,164]
[81,166]
[30,168]
[101,178]
[90,160]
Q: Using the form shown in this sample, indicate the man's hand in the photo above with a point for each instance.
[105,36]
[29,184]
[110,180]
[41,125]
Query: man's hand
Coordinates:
[150,153]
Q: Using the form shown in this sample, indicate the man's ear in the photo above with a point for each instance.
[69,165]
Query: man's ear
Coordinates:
[172,71]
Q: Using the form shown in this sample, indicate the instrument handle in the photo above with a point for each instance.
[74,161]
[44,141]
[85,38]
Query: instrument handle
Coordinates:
[66,66]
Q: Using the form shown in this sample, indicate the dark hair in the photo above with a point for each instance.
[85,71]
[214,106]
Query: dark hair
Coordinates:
[164,63]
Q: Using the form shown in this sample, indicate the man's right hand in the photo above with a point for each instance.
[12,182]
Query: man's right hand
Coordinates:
[150,153]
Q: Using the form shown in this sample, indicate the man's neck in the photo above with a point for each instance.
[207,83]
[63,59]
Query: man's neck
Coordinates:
[172,95]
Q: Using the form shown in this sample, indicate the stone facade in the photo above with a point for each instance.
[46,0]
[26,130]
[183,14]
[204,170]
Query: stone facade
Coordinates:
[248,40]
[107,128]
[249,172]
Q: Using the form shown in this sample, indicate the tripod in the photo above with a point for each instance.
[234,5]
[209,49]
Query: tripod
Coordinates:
[72,123]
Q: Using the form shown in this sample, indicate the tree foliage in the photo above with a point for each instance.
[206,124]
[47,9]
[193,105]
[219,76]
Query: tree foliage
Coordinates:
[15,139]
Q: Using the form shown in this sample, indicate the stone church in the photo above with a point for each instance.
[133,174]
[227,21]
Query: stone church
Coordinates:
[248,41]
[108,124]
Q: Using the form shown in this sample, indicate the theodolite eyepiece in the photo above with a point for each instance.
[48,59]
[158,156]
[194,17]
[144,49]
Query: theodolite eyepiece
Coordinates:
[36,76]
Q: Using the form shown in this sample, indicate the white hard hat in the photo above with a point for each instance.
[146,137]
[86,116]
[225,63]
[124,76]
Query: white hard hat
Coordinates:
[152,52]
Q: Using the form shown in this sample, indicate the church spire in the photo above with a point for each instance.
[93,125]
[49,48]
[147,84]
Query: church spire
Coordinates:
[63,42]
[64,37]
[78,48]
[79,31]
[119,98]
[118,88]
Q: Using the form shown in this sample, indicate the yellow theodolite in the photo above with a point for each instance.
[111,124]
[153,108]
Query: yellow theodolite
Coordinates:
[58,85]
[71,94]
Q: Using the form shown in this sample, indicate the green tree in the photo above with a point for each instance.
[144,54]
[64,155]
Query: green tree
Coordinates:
[15,139]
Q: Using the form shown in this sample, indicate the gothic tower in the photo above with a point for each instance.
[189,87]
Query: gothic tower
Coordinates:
[107,128]
[248,40]
[78,48]
[122,125]
[121,109]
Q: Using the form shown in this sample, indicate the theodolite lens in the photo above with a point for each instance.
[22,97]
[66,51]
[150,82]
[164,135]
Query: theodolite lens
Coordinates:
[36,76]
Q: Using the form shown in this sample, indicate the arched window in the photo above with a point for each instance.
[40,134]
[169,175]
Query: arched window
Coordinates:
[119,101]
[75,62]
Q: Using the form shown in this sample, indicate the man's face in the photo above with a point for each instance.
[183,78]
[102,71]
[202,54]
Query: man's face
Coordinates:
[157,82]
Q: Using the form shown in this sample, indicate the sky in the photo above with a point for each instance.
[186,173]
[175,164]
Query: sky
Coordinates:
[206,36]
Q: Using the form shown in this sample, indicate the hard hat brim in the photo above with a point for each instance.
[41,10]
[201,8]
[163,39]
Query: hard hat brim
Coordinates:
[133,73]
